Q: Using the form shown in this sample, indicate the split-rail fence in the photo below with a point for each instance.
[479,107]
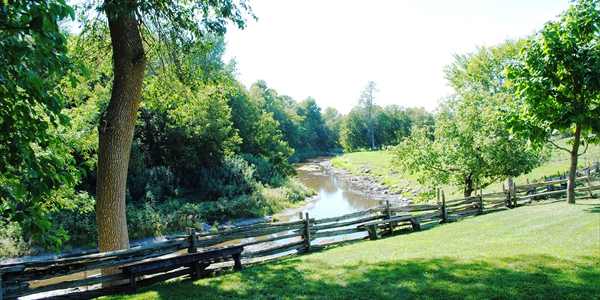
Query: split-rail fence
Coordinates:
[79,277]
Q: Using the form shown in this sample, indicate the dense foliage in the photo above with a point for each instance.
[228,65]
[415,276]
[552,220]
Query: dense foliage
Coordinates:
[35,163]
[468,147]
[206,148]
[557,82]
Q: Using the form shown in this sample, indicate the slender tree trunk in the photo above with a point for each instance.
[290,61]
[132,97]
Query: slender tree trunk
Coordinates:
[573,168]
[116,133]
[468,191]
[372,140]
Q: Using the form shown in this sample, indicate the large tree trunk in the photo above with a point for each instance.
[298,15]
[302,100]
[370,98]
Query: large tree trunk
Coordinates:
[116,133]
[573,168]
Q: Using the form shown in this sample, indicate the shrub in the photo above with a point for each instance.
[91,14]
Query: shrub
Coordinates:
[144,221]
[12,243]
[152,185]
[231,179]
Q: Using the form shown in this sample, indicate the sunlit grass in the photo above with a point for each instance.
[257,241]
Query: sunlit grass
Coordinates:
[378,163]
[381,166]
[560,162]
[545,251]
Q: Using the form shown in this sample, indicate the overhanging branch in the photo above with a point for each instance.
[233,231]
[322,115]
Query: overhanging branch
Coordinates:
[557,146]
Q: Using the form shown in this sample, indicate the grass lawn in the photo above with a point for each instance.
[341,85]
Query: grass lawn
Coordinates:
[380,165]
[560,162]
[543,251]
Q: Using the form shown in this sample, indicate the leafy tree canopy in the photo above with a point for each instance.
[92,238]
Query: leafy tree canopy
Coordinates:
[33,159]
[468,147]
[557,82]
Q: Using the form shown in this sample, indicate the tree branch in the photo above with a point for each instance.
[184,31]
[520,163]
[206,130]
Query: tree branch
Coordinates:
[557,146]
[587,144]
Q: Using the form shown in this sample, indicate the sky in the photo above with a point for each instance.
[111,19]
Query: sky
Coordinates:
[330,49]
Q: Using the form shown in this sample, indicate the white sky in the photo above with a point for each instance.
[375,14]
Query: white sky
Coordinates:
[330,49]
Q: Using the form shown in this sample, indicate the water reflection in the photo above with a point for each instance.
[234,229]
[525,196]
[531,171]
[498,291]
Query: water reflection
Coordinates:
[336,195]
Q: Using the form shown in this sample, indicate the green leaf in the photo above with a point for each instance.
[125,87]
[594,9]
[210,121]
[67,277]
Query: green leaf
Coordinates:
[19,217]
[37,23]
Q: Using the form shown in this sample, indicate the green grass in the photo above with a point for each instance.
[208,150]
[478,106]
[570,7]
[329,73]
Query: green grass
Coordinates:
[544,251]
[560,161]
[381,166]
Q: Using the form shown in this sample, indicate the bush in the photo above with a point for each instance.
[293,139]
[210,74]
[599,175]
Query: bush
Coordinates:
[145,221]
[264,172]
[153,185]
[12,243]
[232,179]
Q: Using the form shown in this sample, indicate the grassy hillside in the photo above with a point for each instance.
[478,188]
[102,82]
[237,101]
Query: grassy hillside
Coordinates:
[560,161]
[380,164]
[544,251]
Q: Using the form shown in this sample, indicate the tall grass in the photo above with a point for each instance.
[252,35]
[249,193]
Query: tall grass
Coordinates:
[544,251]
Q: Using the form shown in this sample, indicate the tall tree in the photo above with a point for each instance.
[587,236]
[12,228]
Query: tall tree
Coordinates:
[557,81]
[469,147]
[313,124]
[352,131]
[333,120]
[176,22]
[368,114]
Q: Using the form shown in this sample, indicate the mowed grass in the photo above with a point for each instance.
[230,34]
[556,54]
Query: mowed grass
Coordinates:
[381,166]
[543,251]
[560,161]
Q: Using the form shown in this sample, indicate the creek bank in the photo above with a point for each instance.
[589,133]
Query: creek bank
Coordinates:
[368,186]
[360,184]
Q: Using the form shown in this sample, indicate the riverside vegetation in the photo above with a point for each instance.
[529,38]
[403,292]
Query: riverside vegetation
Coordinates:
[524,253]
[380,166]
[206,149]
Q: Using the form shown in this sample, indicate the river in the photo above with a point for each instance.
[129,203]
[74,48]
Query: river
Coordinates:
[336,194]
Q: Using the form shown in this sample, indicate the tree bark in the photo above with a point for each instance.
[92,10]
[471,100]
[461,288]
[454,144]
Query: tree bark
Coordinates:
[116,132]
[573,168]
[468,191]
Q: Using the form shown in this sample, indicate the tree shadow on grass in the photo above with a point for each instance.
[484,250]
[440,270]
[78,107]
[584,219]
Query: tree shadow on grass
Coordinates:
[595,209]
[520,277]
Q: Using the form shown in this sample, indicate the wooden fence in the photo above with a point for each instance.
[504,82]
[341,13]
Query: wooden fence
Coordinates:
[79,277]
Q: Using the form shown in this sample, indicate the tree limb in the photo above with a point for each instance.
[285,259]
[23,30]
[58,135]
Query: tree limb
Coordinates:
[557,146]
[584,151]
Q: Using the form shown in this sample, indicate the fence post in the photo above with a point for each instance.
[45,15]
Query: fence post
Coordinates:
[193,248]
[387,209]
[444,216]
[438,195]
[480,200]
[300,215]
[307,233]
[514,194]
[192,237]
[587,176]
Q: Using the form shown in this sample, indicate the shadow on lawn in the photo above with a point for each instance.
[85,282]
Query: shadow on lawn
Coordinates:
[595,209]
[523,277]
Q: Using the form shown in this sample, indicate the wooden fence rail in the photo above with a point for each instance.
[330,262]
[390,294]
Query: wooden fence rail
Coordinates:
[79,276]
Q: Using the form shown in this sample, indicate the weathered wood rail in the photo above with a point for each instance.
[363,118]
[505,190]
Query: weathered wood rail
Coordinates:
[79,277]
